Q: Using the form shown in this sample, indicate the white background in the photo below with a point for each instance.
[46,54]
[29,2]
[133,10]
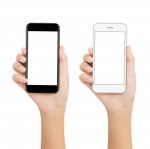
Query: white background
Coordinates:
[86,119]
[42,57]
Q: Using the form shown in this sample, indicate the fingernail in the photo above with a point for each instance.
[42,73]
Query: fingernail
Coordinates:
[91,80]
[23,51]
[23,69]
[91,59]
[25,80]
[23,59]
[91,69]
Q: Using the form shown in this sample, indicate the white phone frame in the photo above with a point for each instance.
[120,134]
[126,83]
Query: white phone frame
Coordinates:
[112,88]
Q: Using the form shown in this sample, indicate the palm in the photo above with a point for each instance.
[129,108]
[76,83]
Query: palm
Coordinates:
[112,102]
[50,101]
[115,102]
[45,101]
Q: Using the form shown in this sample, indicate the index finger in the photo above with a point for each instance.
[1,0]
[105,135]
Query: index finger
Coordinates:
[90,51]
[23,51]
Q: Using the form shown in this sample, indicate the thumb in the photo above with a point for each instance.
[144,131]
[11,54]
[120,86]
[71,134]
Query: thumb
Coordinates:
[64,77]
[130,61]
[131,78]
[62,55]
[63,60]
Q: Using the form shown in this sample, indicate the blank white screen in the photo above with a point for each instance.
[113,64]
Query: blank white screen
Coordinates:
[109,58]
[42,57]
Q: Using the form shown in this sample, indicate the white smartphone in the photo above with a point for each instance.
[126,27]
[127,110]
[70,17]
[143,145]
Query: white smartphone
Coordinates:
[109,57]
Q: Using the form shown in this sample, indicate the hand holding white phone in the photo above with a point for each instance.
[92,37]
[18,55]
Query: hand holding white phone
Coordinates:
[109,64]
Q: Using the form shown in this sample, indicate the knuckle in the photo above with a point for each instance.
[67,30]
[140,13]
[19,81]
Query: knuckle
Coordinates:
[81,65]
[14,66]
[18,57]
[86,57]
[81,77]
[14,77]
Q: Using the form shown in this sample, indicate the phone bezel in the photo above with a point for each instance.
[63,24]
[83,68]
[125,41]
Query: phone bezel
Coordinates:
[110,88]
[43,27]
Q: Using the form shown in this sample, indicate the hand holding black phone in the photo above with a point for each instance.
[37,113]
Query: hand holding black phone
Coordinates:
[42,44]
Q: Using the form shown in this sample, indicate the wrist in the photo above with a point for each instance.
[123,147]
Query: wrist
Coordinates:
[119,129]
[52,108]
[52,120]
[121,113]
[120,118]
[53,114]
[52,130]
[118,109]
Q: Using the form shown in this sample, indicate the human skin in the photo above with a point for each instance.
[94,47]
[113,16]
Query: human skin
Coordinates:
[118,105]
[51,105]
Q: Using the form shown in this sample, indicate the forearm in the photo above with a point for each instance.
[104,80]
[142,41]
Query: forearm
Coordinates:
[52,130]
[119,130]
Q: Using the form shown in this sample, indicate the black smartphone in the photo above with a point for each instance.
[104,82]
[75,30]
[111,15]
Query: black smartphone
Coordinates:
[42,66]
